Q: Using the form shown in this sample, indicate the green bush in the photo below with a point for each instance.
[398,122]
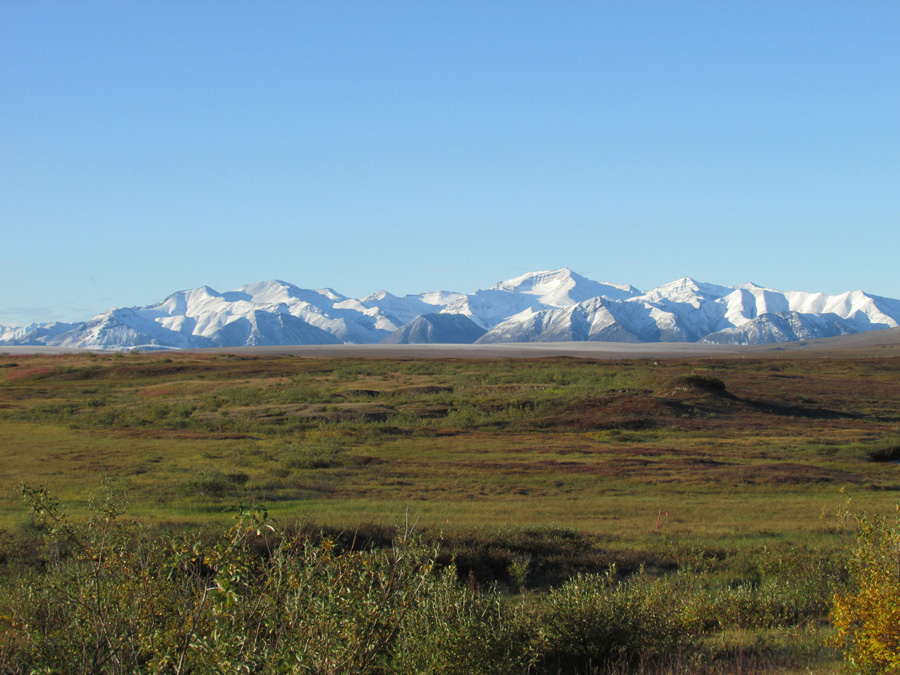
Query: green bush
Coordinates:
[303,607]
[778,587]
[458,629]
[596,619]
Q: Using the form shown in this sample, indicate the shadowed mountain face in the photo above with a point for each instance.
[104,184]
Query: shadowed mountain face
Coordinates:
[437,329]
[557,306]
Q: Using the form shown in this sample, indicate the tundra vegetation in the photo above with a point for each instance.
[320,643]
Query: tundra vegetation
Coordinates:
[199,513]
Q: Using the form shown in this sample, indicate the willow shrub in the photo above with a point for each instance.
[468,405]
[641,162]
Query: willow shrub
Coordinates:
[457,628]
[866,616]
[597,619]
[93,604]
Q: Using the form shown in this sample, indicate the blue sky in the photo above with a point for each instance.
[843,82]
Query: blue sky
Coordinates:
[149,147]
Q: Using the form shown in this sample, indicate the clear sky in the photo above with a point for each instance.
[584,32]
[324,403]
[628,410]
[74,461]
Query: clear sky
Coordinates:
[149,147]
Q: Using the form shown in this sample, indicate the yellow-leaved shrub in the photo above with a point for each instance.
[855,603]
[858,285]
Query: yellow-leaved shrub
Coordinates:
[866,616]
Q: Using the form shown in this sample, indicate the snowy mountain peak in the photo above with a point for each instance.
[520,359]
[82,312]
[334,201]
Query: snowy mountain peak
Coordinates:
[687,288]
[264,287]
[563,288]
[539,283]
[691,284]
[380,295]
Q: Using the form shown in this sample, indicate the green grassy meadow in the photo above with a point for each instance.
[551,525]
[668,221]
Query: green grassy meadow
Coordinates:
[571,465]
[727,448]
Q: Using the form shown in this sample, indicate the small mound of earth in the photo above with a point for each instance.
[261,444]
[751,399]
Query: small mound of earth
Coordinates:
[692,385]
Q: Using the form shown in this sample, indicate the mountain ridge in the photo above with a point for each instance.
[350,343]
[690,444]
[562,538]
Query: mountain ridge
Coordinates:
[546,306]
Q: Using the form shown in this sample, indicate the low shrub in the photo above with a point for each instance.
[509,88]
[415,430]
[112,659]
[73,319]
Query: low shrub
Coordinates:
[215,483]
[315,451]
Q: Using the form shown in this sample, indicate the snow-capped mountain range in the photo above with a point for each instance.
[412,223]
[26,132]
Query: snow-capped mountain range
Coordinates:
[557,306]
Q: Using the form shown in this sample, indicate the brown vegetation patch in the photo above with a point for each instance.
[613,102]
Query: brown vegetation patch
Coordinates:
[366,412]
[630,404]
[177,434]
[618,412]
[35,373]
[788,410]
[509,388]
[692,470]
[783,473]
[537,466]
[367,460]
[178,389]
[625,412]
[644,451]
[425,411]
